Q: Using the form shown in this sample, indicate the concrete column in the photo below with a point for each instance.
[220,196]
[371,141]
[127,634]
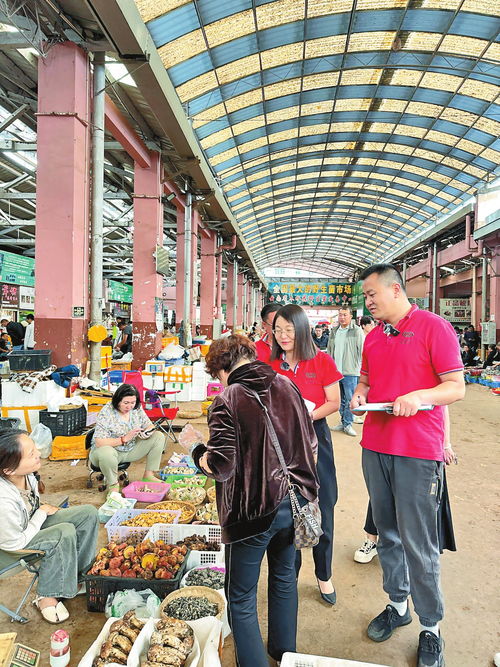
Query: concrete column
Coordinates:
[62,204]
[179,268]
[194,259]
[230,294]
[240,304]
[148,285]
[494,285]
[218,298]
[208,283]
[428,291]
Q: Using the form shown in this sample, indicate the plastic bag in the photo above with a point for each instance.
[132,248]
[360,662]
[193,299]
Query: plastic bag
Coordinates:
[42,437]
[145,603]
[172,351]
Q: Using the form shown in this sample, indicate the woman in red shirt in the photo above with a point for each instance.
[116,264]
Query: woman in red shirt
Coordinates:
[316,376]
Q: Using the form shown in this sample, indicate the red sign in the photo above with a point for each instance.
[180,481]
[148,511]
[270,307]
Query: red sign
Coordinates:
[10,295]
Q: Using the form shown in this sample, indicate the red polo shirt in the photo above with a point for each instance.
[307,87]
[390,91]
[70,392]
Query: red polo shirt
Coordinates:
[263,348]
[312,376]
[426,348]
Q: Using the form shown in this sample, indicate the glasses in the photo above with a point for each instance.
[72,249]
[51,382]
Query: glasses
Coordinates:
[289,331]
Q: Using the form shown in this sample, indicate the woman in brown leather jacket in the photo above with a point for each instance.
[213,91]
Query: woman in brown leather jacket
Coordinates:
[252,493]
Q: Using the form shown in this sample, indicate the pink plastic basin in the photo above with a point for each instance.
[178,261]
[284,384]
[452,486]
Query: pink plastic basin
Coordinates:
[160,490]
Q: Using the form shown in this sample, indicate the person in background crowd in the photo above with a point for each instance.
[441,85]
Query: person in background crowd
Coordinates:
[403,452]
[252,492]
[197,330]
[5,346]
[16,332]
[317,378]
[468,356]
[68,536]
[264,345]
[367,324]
[345,346]
[471,338]
[117,428]
[320,337]
[493,356]
[29,334]
[124,341]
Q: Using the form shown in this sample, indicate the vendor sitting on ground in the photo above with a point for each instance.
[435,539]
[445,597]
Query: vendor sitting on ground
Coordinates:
[117,428]
[68,536]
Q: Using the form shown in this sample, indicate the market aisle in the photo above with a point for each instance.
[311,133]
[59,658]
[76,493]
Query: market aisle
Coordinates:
[470,626]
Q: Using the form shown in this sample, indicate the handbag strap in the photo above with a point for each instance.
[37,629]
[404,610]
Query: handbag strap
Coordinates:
[274,439]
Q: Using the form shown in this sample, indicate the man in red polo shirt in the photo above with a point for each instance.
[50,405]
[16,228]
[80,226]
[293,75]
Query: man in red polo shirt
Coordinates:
[411,358]
[265,344]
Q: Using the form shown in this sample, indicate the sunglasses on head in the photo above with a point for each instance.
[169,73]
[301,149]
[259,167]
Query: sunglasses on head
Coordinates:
[389,330]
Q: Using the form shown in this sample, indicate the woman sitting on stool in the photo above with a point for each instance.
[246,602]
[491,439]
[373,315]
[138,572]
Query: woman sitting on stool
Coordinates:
[68,536]
[117,428]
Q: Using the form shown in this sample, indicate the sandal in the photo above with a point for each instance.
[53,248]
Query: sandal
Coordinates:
[53,614]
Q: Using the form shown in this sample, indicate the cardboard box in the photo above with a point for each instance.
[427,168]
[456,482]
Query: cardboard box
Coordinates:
[45,391]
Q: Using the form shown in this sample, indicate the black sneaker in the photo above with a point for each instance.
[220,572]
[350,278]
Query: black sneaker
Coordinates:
[383,625]
[430,650]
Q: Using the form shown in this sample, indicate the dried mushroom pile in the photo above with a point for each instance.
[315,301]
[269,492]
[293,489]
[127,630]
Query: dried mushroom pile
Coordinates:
[147,560]
[199,543]
[171,644]
[190,607]
[211,578]
[119,642]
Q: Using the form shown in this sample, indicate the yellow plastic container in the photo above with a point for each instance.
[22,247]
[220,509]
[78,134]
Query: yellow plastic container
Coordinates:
[205,407]
[205,348]
[68,447]
[169,339]
[106,356]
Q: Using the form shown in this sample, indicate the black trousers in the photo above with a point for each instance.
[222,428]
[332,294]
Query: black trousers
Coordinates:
[328,494]
[243,561]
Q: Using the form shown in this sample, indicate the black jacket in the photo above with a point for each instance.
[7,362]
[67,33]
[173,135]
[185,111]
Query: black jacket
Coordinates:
[322,342]
[250,481]
[16,332]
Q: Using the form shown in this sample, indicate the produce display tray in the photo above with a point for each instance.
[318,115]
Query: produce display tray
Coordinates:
[160,490]
[98,587]
[171,534]
[118,533]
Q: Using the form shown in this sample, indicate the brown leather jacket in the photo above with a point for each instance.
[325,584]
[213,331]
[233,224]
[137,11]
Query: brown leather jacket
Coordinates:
[250,481]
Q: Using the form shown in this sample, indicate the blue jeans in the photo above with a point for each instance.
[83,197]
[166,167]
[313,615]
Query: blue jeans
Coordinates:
[347,386]
[243,561]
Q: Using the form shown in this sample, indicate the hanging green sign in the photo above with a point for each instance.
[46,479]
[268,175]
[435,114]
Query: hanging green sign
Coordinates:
[358,300]
[119,292]
[17,269]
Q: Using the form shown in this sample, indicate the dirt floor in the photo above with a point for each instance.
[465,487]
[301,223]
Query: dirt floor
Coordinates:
[470,576]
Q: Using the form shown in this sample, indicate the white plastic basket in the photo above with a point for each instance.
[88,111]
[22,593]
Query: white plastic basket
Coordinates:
[118,533]
[173,533]
[302,660]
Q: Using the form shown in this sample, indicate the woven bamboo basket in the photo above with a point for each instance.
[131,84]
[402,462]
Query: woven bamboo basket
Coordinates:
[188,509]
[195,591]
[211,494]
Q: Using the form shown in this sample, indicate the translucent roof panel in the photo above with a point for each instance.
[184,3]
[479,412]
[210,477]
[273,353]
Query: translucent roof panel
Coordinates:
[336,128]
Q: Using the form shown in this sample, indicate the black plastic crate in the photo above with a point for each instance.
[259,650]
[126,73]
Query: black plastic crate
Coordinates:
[98,587]
[10,422]
[65,422]
[29,360]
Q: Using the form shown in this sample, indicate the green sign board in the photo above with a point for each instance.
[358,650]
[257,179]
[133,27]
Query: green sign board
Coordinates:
[310,293]
[17,269]
[358,300]
[119,292]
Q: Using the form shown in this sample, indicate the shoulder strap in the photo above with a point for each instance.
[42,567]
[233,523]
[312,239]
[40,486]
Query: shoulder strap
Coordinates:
[272,433]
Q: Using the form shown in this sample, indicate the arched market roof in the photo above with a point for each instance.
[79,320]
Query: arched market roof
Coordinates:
[336,128]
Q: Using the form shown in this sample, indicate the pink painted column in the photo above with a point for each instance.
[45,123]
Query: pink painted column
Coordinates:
[179,268]
[208,283]
[230,291]
[241,287]
[148,285]
[62,205]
